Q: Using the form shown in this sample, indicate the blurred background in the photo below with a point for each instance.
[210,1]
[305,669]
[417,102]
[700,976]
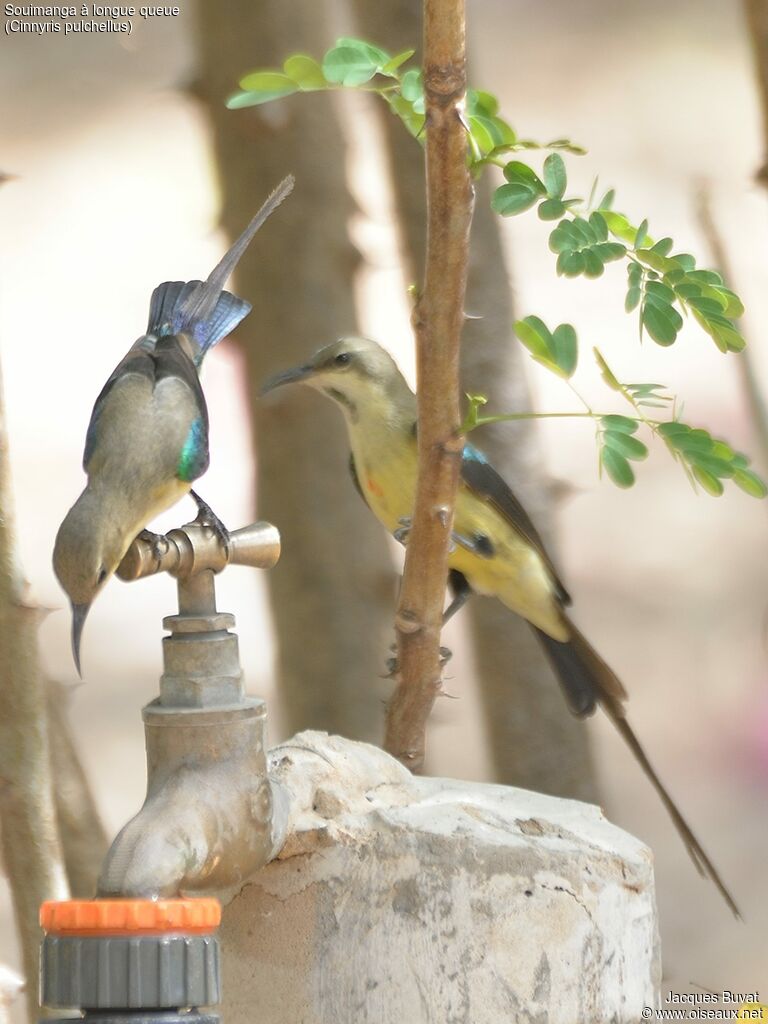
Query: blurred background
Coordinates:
[127,171]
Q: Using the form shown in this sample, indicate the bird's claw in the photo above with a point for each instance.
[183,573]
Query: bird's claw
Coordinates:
[158,544]
[207,517]
[401,533]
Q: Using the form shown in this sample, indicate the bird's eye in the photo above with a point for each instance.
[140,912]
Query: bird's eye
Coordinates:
[342,359]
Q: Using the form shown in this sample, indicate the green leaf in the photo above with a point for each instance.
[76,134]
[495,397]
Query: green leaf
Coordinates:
[565,348]
[563,239]
[514,198]
[750,482]
[705,277]
[481,129]
[655,260]
[305,72]
[662,293]
[392,65]
[261,87]
[599,226]
[634,294]
[605,370]
[480,102]
[551,209]
[353,62]
[707,307]
[722,331]
[518,173]
[557,351]
[663,247]
[472,419]
[659,323]
[535,335]
[634,273]
[609,251]
[687,290]
[709,482]
[583,231]
[619,226]
[607,201]
[489,133]
[411,85]
[641,235]
[624,424]
[617,467]
[734,307]
[626,445]
[685,260]
[593,265]
[555,176]
[647,395]
[570,263]
[717,467]
[567,145]
[673,429]
[413,120]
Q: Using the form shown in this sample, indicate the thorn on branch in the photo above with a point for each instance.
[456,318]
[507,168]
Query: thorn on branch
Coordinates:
[443,513]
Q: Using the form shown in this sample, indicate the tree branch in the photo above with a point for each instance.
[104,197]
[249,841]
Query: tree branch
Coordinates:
[535,741]
[437,319]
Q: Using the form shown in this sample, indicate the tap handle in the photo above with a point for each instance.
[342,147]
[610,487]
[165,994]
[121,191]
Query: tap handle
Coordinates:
[190,549]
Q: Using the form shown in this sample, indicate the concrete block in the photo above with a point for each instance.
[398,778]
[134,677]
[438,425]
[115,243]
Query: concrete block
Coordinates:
[402,900]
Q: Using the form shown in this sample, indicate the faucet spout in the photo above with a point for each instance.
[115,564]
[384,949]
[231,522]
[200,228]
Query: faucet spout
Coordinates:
[211,817]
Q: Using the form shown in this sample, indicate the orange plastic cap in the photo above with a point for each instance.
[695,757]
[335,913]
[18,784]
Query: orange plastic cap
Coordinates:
[130,917]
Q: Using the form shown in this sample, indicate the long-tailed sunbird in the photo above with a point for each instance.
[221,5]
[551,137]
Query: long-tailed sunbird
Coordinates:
[147,440]
[497,550]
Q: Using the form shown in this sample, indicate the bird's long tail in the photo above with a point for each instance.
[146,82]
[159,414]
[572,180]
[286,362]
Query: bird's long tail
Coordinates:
[587,681]
[202,309]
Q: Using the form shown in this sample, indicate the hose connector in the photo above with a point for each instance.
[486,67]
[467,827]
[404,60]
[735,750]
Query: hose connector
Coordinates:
[132,961]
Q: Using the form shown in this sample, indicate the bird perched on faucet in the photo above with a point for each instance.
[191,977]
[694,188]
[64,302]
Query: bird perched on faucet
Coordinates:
[497,550]
[147,440]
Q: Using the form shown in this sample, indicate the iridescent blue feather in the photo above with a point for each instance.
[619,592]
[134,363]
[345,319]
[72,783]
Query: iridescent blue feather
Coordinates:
[193,460]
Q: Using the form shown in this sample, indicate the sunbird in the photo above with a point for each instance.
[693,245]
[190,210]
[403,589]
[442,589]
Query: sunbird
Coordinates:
[496,549]
[147,440]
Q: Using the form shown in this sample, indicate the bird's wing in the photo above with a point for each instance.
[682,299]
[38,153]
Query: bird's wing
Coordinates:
[138,360]
[157,361]
[482,479]
[172,361]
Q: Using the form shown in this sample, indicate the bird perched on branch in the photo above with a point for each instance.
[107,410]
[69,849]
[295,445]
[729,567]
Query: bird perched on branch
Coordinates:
[147,440]
[496,549]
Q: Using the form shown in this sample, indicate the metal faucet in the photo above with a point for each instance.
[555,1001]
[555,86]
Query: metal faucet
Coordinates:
[211,817]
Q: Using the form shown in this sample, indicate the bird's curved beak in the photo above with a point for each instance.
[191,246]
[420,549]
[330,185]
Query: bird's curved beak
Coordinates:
[294,376]
[79,614]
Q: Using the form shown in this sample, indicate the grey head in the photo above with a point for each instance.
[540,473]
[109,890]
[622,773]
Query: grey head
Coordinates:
[356,373]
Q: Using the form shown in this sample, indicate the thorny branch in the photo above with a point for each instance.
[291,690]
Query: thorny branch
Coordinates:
[437,319]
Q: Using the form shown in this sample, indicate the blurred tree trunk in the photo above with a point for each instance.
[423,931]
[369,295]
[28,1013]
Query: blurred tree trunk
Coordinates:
[333,590]
[757,22]
[30,842]
[535,742]
[83,836]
